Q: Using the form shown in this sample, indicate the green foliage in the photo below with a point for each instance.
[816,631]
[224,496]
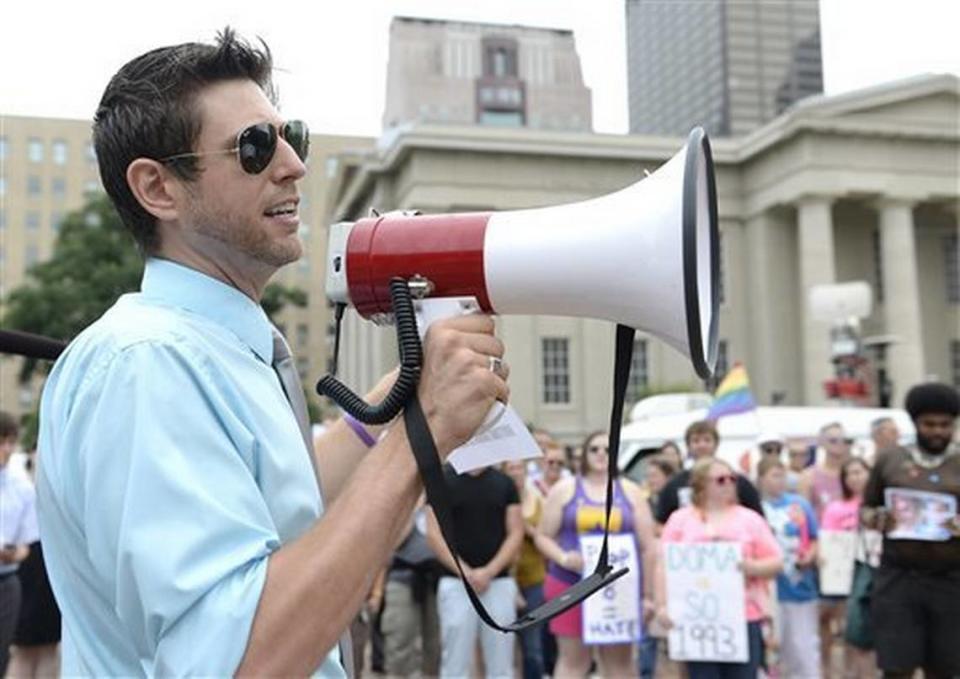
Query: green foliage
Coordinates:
[276,296]
[94,262]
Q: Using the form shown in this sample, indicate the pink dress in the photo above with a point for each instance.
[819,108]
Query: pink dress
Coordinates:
[741,525]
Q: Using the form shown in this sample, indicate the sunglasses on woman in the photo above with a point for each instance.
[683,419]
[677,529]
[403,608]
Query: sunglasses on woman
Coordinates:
[724,480]
[257,144]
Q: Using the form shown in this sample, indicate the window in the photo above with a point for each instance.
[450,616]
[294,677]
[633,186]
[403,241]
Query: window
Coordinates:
[639,377]
[3,185]
[91,154]
[34,188]
[303,334]
[502,118]
[955,362]
[59,152]
[33,221]
[56,219]
[555,357]
[951,250]
[58,186]
[35,150]
[3,148]
[3,219]
[31,255]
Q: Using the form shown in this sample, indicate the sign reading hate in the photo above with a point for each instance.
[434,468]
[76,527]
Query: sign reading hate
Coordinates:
[612,615]
[705,602]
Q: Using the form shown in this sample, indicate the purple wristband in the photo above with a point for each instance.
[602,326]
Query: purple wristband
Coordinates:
[360,430]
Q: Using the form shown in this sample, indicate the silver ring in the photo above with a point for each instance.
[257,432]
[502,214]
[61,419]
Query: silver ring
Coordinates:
[495,365]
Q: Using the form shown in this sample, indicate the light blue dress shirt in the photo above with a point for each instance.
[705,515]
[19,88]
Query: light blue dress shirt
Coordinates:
[171,467]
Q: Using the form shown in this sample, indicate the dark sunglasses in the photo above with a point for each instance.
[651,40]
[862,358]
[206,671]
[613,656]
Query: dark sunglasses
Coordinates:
[554,463]
[257,144]
[770,448]
[835,441]
[724,480]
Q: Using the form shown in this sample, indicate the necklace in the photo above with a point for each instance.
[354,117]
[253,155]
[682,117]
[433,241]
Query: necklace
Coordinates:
[928,461]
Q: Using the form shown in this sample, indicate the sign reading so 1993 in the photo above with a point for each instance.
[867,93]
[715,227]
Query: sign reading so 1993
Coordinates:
[705,602]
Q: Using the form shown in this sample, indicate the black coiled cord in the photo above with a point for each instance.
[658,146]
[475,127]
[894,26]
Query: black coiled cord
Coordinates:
[411,359]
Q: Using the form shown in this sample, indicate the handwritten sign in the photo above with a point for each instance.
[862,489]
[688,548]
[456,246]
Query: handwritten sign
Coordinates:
[837,551]
[612,615]
[706,603]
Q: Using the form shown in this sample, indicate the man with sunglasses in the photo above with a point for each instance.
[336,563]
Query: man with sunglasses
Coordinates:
[185,530]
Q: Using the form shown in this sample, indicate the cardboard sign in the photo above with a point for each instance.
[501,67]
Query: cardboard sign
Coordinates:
[706,602]
[837,549]
[612,615]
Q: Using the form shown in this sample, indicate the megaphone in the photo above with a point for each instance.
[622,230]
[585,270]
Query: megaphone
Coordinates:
[645,257]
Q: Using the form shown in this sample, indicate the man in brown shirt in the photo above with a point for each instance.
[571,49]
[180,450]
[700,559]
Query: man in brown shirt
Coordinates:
[916,591]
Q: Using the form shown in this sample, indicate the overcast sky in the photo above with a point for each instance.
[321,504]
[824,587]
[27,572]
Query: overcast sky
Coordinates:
[56,57]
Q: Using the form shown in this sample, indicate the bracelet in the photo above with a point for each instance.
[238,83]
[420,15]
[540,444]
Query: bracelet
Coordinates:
[360,430]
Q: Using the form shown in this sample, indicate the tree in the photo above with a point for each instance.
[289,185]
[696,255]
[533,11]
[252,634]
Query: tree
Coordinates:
[94,262]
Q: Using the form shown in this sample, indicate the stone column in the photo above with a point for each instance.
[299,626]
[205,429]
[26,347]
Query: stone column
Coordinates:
[817,267]
[901,303]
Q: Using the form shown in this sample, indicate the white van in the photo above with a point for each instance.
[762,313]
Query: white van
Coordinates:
[738,433]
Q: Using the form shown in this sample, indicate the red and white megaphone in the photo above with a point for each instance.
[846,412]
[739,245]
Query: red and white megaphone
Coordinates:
[645,257]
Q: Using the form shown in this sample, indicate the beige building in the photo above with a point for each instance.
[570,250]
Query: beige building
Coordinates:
[48,165]
[863,186]
[452,72]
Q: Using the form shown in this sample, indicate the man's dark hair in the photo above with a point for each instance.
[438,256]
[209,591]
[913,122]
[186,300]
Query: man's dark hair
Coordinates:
[9,427]
[701,427]
[932,397]
[149,110]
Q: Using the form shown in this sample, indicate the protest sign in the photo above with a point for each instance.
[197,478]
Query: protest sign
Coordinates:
[705,602]
[837,551]
[612,615]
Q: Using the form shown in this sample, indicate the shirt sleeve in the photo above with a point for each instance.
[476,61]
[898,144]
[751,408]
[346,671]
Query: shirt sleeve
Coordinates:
[668,502]
[764,543]
[673,530]
[747,495]
[873,493]
[28,531]
[173,517]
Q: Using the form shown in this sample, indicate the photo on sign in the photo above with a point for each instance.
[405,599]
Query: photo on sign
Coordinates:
[920,515]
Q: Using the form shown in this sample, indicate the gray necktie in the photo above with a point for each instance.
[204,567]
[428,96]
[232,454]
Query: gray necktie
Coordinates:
[290,381]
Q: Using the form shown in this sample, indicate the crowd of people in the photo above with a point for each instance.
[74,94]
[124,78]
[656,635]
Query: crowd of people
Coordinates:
[524,550]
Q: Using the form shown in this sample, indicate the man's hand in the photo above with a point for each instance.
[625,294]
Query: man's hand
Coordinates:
[478,578]
[457,387]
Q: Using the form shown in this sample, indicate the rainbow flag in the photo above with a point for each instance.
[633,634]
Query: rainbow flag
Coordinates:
[733,395]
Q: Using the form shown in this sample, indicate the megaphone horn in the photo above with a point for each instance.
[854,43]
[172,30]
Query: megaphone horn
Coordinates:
[646,256]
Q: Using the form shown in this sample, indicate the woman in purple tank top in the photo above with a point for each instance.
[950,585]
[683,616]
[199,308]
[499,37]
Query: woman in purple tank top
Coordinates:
[575,507]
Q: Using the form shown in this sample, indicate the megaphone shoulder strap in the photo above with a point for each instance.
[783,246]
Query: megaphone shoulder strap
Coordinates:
[431,471]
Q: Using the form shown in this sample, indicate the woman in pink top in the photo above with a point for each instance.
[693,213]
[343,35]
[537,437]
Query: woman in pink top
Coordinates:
[715,515]
[844,515]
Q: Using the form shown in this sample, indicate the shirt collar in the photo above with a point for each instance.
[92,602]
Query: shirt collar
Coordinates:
[180,286]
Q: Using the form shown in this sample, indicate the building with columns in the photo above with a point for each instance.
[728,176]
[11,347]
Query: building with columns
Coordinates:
[859,187]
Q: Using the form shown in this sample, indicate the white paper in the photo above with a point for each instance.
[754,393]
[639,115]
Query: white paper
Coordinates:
[507,439]
[705,602]
[612,614]
[503,435]
[837,550]
[920,515]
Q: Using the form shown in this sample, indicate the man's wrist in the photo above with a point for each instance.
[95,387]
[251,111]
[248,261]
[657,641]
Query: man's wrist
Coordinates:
[361,431]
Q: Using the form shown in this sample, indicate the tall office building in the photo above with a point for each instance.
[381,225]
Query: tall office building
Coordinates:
[727,65]
[475,73]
